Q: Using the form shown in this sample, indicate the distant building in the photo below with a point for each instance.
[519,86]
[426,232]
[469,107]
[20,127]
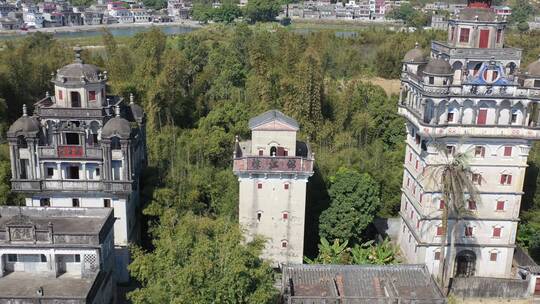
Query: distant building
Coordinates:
[92,17]
[535,24]
[6,8]
[503,10]
[8,23]
[439,22]
[140,15]
[273,169]
[56,255]
[82,148]
[407,284]
[179,9]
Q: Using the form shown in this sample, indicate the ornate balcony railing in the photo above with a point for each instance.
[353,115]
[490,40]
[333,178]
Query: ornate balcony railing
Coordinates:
[273,164]
[71,185]
[67,151]
[476,53]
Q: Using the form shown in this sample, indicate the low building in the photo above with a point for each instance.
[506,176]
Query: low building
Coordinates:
[438,22]
[6,8]
[92,17]
[503,10]
[179,9]
[359,284]
[140,15]
[7,23]
[535,25]
[56,255]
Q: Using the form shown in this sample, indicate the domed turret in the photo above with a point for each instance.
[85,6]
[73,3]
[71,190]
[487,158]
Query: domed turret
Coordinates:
[116,126]
[438,67]
[78,72]
[415,55]
[25,126]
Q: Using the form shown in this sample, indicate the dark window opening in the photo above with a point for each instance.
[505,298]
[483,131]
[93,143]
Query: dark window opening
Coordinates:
[72,139]
[97,172]
[77,258]
[537,83]
[285,215]
[21,142]
[24,165]
[107,203]
[12,258]
[431,80]
[514,117]
[50,172]
[43,258]
[73,172]
[273,151]
[259,215]
[464,35]
[75,202]
[45,202]
[493,257]
[75,100]
[92,95]
[259,186]
[115,143]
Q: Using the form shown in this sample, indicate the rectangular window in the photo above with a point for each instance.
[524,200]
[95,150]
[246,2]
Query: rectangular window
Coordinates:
[431,80]
[450,150]
[472,205]
[464,35]
[507,151]
[259,215]
[417,224]
[77,258]
[416,166]
[496,232]
[75,202]
[412,214]
[452,33]
[261,152]
[536,83]
[285,215]
[500,205]
[477,179]
[97,172]
[72,139]
[499,35]
[50,172]
[107,203]
[417,139]
[410,157]
[286,186]
[12,258]
[437,256]
[92,95]
[493,256]
[440,230]
[479,151]
[60,95]
[421,196]
[73,172]
[259,186]
[482,117]
[468,231]
[408,182]
[45,202]
[441,205]
[514,118]
[450,117]
[506,179]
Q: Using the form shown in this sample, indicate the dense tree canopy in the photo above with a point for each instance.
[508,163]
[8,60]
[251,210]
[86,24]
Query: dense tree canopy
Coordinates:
[354,203]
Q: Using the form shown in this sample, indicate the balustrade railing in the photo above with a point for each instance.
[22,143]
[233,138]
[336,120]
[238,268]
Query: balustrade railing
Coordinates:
[72,185]
[70,151]
[273,164]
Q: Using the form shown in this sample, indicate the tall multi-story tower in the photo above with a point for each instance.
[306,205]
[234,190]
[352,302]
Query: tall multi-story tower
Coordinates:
[82,148]
[273,169]
[467,96]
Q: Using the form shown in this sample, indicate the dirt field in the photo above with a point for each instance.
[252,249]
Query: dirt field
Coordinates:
[390,86]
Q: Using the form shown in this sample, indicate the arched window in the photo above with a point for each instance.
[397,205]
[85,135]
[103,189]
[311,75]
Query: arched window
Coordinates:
[75,99]
[273,151]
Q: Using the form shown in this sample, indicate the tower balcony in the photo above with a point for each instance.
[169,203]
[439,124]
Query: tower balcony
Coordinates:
[273,164]
[439,47]
[70,152]
[71,185]
[427,129]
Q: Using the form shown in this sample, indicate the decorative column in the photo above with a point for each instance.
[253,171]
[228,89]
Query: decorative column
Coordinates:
[32,161]
[83,171]
[526,115]
[460,117]
[106,146]
[125,160]
[497,115]
[59,168]
[14,157]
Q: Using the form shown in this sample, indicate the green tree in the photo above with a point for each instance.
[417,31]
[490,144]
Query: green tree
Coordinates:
[227,13]
[454,178]
[521,11]
[335,253]
[523,26]
[354,203]
[201,260]
[262,10]
[384,253]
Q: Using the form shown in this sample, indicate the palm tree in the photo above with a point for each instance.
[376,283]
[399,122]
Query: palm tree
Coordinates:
[454,178]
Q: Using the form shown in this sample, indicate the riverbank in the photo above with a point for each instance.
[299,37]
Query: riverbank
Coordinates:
[98,28]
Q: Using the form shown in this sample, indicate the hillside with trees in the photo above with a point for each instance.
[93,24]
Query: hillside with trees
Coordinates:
[199,90]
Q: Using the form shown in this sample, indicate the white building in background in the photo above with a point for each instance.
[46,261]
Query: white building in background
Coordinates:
[82,148]
[273,170]
[467,96]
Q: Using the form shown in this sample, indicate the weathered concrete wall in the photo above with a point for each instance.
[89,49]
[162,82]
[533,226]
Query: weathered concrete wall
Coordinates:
[476,287]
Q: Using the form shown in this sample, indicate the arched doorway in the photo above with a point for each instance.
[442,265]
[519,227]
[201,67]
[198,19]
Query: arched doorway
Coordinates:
[465,264]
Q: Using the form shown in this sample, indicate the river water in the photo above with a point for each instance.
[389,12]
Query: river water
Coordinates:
[117,32]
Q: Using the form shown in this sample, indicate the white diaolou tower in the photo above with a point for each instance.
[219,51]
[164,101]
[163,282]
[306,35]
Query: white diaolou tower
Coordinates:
[467,96]
[273,169]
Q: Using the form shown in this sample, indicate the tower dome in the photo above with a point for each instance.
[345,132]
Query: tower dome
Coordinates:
[415,55]
[25,125]
[78,72]
[116,126]
[438,66]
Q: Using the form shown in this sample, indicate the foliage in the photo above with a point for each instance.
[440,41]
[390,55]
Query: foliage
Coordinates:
[227,12]
[384,253]
[262,10]
[411,16]
[521,11]
[355,200]
[201,260]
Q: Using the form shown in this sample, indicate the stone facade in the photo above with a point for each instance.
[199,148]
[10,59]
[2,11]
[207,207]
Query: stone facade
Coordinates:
[273,169]
[82,148]
[469,97]
[49,255]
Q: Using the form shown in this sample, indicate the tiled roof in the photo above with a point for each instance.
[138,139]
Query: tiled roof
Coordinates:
[272,115]
[405,282]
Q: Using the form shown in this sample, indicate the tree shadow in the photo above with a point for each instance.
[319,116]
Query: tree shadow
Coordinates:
[317,200]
